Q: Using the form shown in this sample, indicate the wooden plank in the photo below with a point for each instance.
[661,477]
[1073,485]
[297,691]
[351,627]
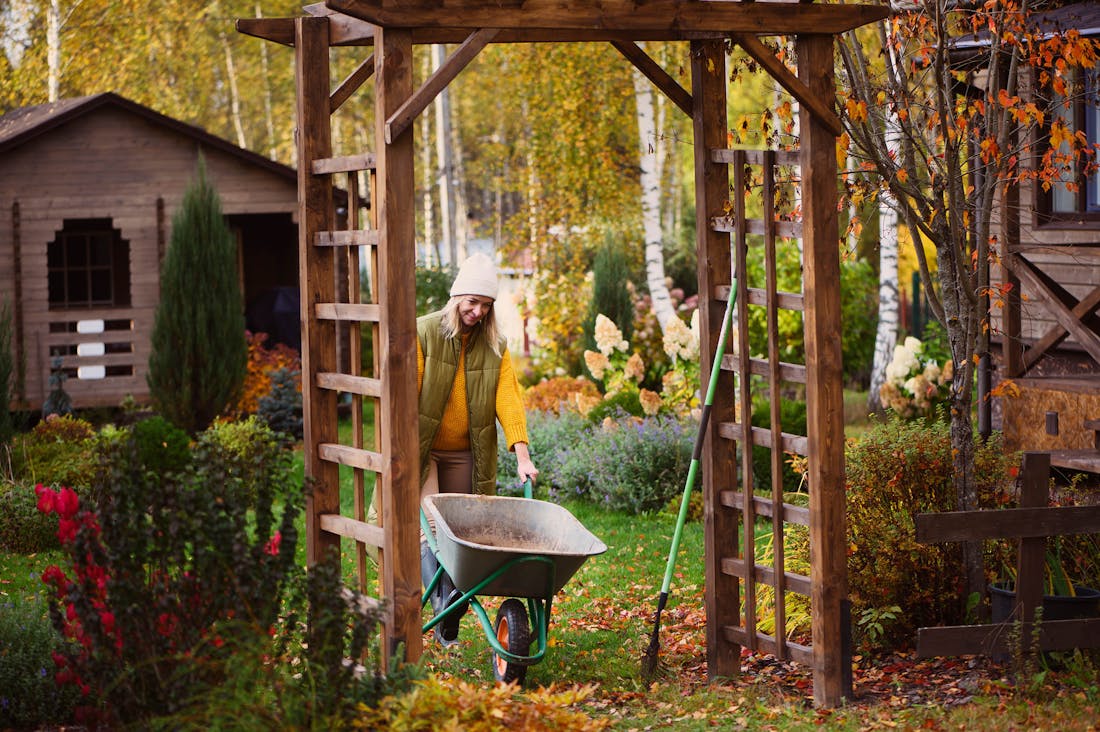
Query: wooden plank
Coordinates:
[360,385]
[315,213]
[784,158]
[410,109]
[355,238]
[765,507]
[968,640]
[670,16]
[343,164]
[757,296]
[352,312]
[824,379]
[1007,523]
[766,643]
[359,530]
[642,61]
[788,229]
[792,373]
[397,423]
[350,456]
[766,575]
[762,436]
[722,600]
[1030,558]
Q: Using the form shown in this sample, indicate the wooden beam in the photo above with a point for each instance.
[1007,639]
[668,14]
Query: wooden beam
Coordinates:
[1055,302]
[824,378]
[399,482]
[400,120]
[719,459]
[316,279]
[667,16]
[1085,307]
[279,30]
[972,640]
[822,108]
[680,96]
[1008,523]
[351,83]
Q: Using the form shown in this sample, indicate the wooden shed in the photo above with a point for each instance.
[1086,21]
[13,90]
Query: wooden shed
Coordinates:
[1049,329]
[88,189]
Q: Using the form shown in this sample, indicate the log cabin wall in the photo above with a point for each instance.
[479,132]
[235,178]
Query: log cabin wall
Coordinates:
[122,164]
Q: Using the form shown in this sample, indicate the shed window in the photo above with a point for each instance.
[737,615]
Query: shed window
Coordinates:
[89,266]
[1076,196]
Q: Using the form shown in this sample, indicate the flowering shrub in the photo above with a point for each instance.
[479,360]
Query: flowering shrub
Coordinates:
[621,372]
[561,393]
[58,451]
[915,381]
[157,575]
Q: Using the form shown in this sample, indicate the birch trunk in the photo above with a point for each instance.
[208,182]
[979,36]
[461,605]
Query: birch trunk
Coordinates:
[445,161]
[886,336]
[53,50]
[651,202]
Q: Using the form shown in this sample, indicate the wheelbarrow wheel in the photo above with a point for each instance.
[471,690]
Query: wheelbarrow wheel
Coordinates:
[514,635]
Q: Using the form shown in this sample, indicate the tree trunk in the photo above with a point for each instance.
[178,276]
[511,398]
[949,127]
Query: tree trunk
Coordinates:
[445,161]
[651,202]
[53,50]
[886,337]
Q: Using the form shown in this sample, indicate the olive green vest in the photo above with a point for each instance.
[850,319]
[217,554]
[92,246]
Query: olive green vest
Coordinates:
[482,368]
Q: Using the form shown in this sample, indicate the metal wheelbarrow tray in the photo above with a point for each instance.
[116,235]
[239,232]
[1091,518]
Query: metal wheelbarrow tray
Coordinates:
[478,535]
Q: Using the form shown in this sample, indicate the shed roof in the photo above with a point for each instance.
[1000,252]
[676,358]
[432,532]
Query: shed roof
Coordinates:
[22,125]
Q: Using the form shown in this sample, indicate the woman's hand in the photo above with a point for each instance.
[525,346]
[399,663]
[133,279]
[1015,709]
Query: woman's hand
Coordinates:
[525,469]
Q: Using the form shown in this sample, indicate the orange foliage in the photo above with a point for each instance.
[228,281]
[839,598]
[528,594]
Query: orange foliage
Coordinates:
[554,395]
[262,362]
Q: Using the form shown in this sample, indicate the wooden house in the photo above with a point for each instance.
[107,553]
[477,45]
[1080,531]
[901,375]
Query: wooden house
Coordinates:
[1048,342]
[88,190]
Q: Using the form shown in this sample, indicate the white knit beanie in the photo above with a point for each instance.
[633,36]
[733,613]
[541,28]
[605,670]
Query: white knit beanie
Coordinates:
[476,276]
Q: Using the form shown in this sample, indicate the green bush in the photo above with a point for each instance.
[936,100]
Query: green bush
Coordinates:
[622,402]
[792,418]
[895,470]
[158,571]
[29,696]
[249,452]
[161,446]
[23,528]
[59,451]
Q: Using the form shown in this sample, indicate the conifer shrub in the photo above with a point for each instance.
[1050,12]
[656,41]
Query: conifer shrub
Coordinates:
[199,354]
[610,293]
[281,408]
[161,447]
[896,470]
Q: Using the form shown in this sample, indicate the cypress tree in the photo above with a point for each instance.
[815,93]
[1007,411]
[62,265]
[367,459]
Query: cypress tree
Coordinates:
[610,295]
[199,357]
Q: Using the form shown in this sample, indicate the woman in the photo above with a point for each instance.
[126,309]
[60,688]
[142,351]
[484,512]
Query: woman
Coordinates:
[467,384]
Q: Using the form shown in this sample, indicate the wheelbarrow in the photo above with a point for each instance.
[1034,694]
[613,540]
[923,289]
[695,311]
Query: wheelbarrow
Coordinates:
[516,548]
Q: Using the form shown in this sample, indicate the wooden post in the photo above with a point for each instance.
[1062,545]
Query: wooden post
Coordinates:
[1034,493]
[718,460]
[824,396]
[315,213]
[400,480]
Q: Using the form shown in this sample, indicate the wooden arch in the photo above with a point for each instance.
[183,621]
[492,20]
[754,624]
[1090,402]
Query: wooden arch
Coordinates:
[333,313]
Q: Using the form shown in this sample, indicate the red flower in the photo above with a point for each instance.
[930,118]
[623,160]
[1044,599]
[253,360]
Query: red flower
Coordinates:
[67,503]
[46,498]
[66,530]
[272,546]
[166,624]
[54,576]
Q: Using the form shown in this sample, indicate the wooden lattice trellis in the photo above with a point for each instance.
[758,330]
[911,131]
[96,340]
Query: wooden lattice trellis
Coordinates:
[333,315]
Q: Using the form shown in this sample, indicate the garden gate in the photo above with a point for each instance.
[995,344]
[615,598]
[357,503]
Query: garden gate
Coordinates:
[731,507]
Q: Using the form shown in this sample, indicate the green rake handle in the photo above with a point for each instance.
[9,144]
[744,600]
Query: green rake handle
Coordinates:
[693,469]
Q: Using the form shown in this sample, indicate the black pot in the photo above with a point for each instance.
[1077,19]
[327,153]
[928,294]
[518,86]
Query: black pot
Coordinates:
[1085,604]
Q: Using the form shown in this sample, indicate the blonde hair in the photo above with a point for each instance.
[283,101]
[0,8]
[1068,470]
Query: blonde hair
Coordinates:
[450,325]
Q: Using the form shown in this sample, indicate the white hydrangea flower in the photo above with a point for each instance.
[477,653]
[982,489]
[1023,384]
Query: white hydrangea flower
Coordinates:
[608,336]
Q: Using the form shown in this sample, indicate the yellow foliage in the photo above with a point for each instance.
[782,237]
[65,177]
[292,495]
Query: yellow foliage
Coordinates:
[460,705]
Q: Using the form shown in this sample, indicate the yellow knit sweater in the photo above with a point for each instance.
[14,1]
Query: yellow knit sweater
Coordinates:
[454,431]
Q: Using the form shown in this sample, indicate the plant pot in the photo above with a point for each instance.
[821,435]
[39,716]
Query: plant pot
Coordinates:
[1086,603]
